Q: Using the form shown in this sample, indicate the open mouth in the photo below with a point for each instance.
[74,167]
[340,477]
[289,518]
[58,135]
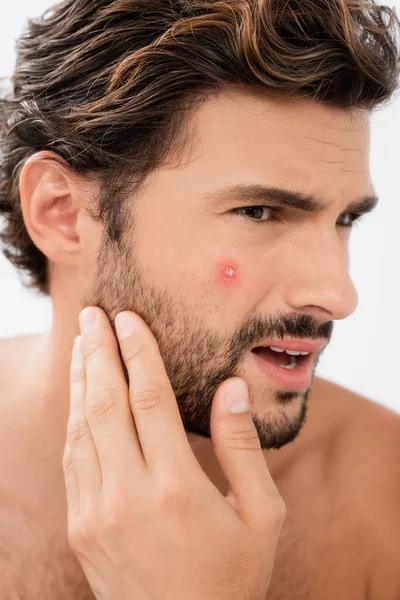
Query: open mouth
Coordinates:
[282,358]
[289,368]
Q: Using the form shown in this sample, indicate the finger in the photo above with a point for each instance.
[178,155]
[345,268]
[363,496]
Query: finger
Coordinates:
[79,438]
[71,485]
[238,449]
[158,421]
[107,403]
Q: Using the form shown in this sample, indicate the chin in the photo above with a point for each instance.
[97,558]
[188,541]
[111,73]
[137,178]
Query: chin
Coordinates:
[279,421]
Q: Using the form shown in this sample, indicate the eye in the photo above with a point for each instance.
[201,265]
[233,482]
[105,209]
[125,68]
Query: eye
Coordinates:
[353,218]
[256,211]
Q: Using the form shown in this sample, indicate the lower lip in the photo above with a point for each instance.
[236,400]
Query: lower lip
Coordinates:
[297,380]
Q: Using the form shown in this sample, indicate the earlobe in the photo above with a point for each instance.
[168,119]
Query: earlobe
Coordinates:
[47,194]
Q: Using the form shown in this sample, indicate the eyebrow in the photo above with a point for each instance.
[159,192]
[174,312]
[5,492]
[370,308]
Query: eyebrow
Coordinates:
[257,193]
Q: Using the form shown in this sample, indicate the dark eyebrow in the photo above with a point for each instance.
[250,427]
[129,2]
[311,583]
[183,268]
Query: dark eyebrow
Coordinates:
[257,193]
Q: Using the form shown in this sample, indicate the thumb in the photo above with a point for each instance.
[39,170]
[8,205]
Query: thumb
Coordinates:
[238,450]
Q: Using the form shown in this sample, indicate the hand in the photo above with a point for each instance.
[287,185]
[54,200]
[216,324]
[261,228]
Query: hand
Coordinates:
[144,520]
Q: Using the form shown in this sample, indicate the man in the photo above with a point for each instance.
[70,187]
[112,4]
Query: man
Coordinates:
[238,239]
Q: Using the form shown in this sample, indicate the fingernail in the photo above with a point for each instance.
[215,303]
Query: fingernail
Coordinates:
[237,396]
[124,325]
[87,319]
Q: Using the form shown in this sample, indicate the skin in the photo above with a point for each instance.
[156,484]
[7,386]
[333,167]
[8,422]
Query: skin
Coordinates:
[210,282]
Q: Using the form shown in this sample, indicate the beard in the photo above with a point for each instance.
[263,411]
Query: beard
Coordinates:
[197,359]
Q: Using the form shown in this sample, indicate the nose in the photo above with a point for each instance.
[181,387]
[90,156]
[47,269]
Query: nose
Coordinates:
[319,278]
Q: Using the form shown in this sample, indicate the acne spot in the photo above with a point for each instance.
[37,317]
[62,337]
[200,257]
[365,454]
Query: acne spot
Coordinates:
[227,272]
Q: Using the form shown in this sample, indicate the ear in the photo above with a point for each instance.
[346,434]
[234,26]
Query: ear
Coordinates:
[51,199]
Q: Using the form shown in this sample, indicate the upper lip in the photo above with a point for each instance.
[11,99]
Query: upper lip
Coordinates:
[295,344]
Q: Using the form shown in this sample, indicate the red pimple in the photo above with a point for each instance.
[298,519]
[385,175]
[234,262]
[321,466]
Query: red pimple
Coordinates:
[228,272]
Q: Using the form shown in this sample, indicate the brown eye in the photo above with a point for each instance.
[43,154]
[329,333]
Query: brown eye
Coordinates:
[256,213]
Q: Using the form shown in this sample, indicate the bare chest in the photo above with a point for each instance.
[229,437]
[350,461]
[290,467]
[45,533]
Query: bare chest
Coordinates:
[324,555]
[311,563]
[36,562]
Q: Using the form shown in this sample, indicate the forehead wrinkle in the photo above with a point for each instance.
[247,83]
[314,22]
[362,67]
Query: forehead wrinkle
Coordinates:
[332,162]
[339,146]
[307,137]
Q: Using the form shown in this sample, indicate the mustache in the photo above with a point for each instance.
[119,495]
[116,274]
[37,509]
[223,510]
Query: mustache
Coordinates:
[299,325]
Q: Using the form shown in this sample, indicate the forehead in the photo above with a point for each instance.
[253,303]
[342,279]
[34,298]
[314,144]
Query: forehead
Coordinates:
[298,141]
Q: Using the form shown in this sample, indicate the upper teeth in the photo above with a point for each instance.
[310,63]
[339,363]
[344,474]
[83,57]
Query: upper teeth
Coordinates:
[290,352]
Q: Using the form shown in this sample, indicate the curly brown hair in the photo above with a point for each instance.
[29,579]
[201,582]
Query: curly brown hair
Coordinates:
[109,85]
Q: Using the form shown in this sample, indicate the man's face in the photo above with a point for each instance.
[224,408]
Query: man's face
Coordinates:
[212,284]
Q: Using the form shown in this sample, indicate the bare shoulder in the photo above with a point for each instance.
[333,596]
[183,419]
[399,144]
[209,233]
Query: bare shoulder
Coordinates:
[9,350]
[358,431]
[11,344]
[357,421]
[365,434]
[364,457]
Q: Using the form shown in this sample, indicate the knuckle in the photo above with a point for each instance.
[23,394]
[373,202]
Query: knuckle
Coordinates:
[102,402]
[76,536]
[134,351]
[83,531]
[77,373]
[116,509]
[173,494]
[147,397]
[242,439]
[274,512]
[280,508]
[67,462]
[73,537]
[91,346]
[117,514]
[78,430]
